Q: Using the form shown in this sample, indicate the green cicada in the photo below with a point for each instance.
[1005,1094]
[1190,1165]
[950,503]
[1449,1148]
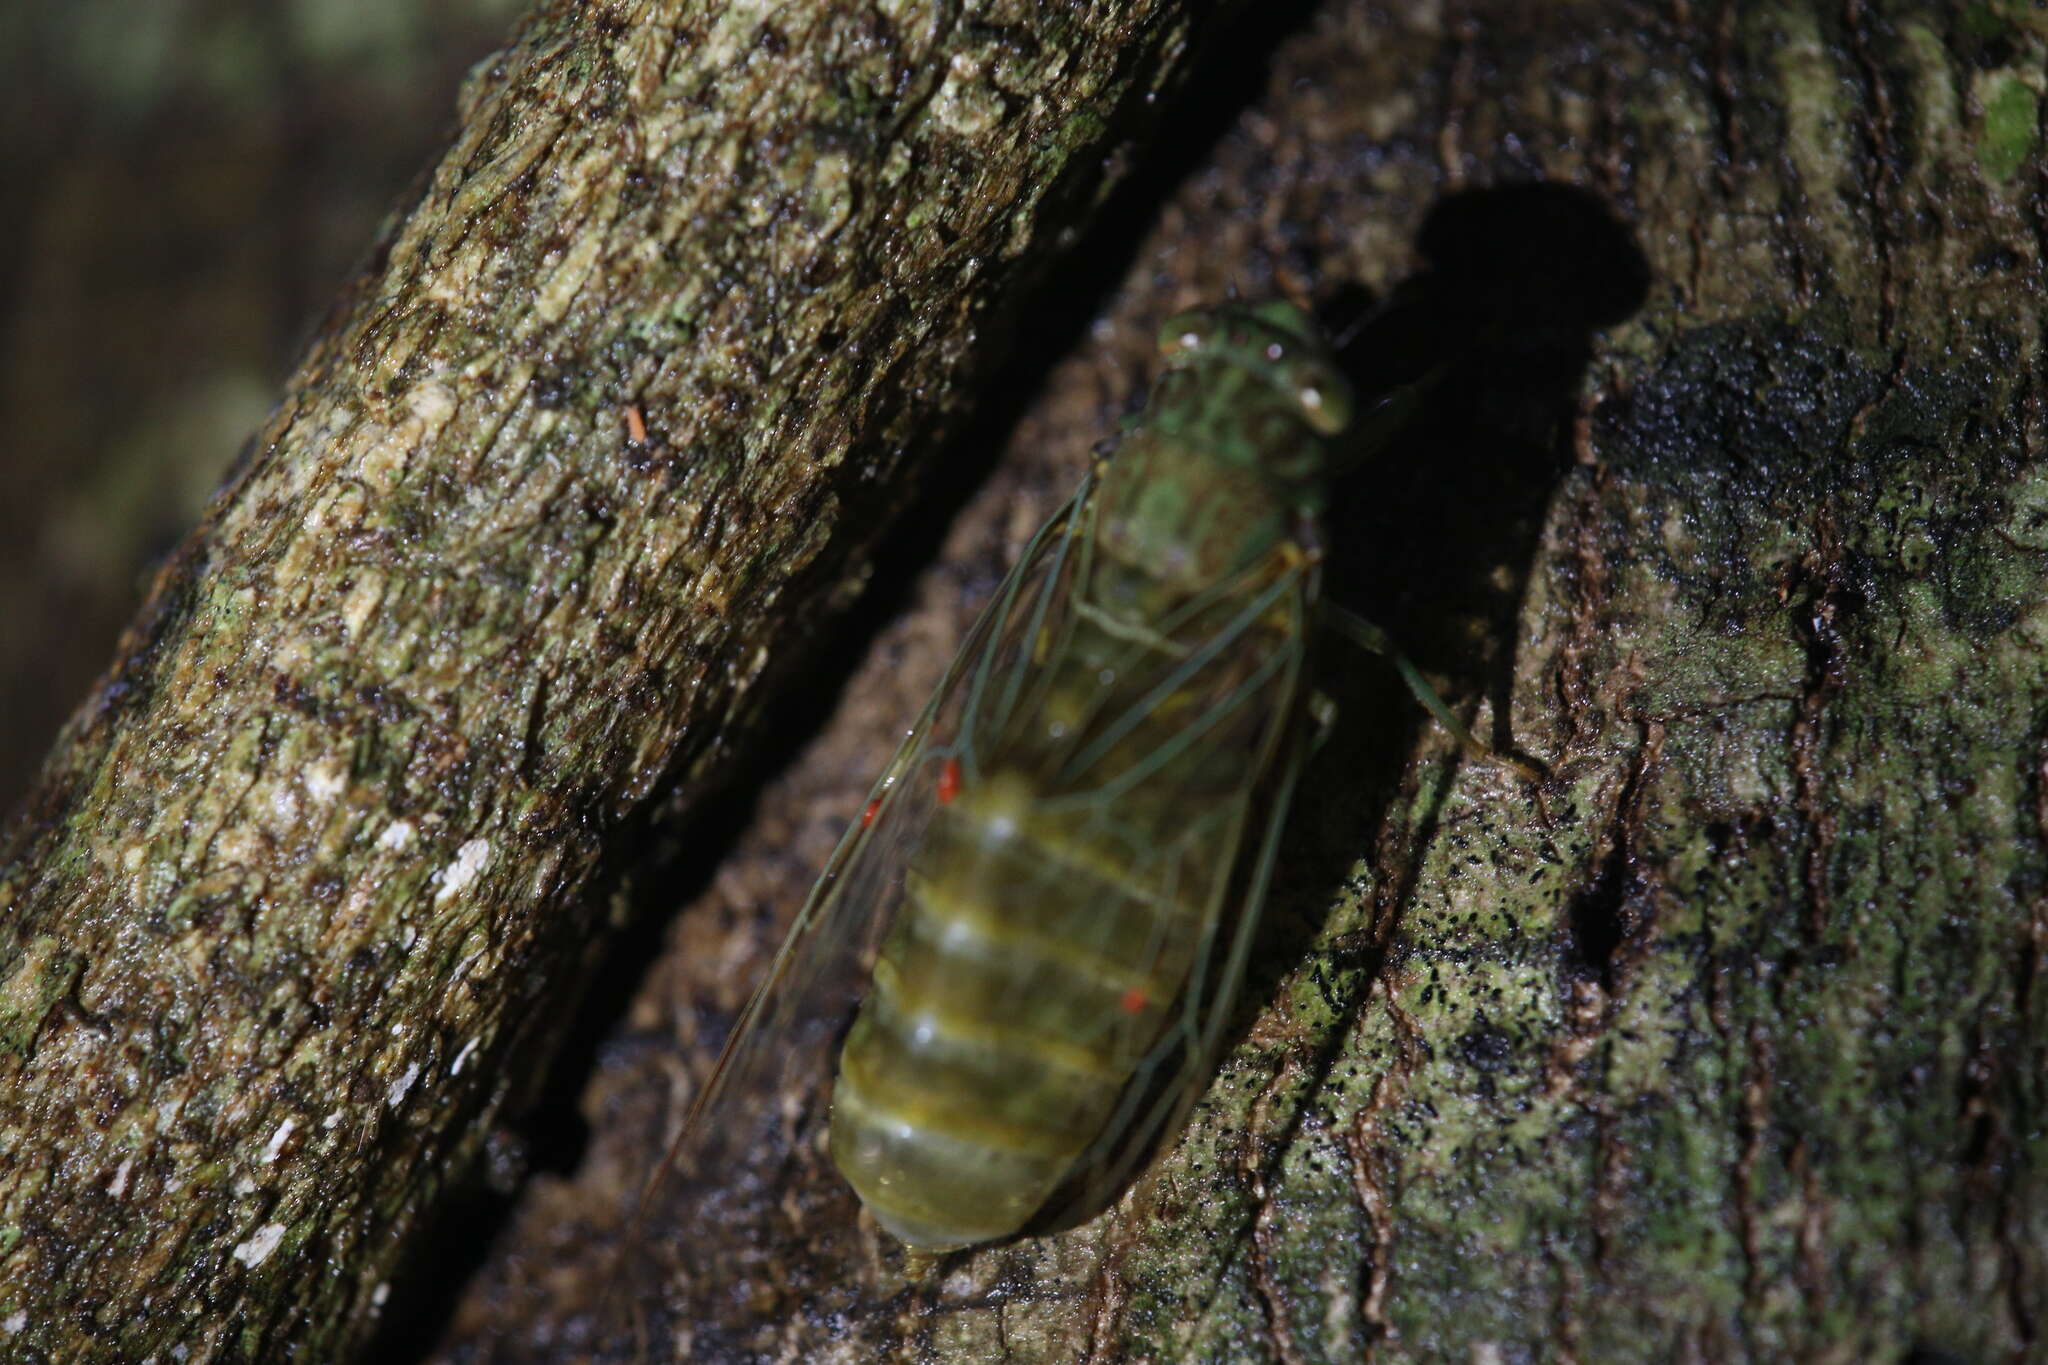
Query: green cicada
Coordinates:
[1014,971]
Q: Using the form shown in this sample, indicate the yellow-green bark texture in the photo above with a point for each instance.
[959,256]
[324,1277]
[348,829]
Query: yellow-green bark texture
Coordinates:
[575,469]
[1726,1042]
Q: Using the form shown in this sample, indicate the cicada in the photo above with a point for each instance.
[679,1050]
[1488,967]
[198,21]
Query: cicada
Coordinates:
[1012,978]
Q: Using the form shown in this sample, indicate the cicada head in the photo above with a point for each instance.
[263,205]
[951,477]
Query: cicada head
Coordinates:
[1261,385]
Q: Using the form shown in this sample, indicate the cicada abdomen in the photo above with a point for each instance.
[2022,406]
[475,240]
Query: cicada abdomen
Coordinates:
[1013,974]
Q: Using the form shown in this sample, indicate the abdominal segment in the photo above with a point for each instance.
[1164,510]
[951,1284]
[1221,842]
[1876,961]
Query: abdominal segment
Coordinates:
[1024,982]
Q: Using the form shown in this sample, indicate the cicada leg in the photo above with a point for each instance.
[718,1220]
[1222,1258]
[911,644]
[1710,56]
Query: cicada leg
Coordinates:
[1371,638]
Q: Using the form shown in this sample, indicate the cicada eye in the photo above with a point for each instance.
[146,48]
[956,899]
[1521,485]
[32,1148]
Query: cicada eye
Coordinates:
[1187,333]
[1320,392]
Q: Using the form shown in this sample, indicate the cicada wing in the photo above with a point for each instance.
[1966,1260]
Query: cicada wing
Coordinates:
[747,1178]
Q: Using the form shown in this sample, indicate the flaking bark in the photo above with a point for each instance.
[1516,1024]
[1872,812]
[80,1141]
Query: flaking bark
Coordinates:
[585,457]
[1730,1047]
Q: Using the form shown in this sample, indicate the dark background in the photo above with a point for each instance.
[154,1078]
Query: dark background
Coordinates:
[186,188]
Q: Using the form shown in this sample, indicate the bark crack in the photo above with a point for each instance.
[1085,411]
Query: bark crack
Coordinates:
[1754,1128]
[1111,1295]
[1882,153]
[1460,99]
[1824,593]
[1371,1178]
[1255,1166]
[1599,919]
[1721,80]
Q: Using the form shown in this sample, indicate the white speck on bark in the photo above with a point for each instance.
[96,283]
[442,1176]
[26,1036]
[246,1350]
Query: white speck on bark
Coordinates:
[397,837]
[361,603]
[469,861]
[326,780]
[238,846]
[118,1186]
[403,1084]
[277,1140]
[967,103]
[433,402]
[462,1057]
[257,1249]
[15,1322]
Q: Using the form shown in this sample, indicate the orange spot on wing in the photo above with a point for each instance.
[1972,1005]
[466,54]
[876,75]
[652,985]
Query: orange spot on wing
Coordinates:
[1135,1000]
[949,781]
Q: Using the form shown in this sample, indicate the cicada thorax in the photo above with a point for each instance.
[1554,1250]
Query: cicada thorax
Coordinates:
[1069,886]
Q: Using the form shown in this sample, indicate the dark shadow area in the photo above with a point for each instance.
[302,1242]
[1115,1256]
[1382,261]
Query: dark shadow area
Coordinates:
[672,863]
[1499,330]
[1439,532]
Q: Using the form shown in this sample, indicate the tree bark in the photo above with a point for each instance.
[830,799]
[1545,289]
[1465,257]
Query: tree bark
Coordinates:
[577,467]
[1726,1043]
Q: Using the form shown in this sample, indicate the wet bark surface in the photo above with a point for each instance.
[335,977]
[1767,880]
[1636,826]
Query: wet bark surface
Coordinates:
[1720,1044]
